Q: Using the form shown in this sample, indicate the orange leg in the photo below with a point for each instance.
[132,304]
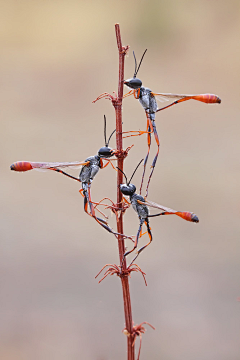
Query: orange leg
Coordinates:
[149,130]
[103,223]
[81,192]
[106,164]
[153,127]
[112,165]
[174,103]
[86,205]
[141,234]
[131,92]
[135,244]
[92,211]
[124,200]
[64,173]
[150,240]
[109,162]
[139,133]
[87,196]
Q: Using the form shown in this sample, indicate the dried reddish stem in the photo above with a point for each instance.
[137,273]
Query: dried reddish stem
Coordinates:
[138,330]
[118,109]
[113,269]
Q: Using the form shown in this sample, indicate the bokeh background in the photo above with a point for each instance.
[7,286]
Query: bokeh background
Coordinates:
[58,56]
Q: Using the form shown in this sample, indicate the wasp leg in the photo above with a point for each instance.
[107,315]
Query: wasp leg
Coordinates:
[174,103]
[124,200]
[109,162]
[112,165]
[86,202]
[135,244]
[64,173]
[153,127]
[139,133]
[150,240]
[105,164]
[162,213]
[149,145]
[92,213]
[103,223]
[81,192]
[131,92]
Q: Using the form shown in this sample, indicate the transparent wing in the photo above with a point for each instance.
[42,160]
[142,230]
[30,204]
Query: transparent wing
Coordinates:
[57,165]
[165,99]
[177,98]
[186,215]
[157,206]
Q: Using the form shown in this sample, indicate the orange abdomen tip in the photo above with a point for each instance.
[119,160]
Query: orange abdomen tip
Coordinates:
[194,218]
[208,98]
[213,99]
[21,166]
[189,216]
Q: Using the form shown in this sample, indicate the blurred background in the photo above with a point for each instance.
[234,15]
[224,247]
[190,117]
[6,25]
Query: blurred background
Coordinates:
[58,56]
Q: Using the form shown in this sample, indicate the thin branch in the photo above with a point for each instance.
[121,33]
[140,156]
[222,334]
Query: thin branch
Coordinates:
[118,109]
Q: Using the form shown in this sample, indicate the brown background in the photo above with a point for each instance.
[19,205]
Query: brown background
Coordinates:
[56,57]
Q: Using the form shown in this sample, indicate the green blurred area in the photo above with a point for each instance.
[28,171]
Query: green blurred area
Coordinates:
[56,58]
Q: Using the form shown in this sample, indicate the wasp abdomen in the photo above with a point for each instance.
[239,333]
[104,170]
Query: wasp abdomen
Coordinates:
[21,166]
[189,216]
[208,98]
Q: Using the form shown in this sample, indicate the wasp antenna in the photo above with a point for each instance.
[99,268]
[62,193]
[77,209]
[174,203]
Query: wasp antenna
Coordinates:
[140,63]
[110,137]
[105,130]
[134,172]
[122,173]
[135,72]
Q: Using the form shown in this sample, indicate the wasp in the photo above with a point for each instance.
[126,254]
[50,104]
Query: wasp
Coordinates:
[148,100]
[89,170]
[140,205]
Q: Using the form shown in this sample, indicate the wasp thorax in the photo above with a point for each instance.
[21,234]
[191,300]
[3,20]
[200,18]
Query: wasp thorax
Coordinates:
[105,152]
[133,83]
[128,189]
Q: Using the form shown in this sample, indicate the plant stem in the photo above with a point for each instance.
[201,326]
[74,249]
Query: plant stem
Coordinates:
[121,246]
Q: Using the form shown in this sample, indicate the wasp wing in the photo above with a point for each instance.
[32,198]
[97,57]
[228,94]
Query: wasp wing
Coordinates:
[57,165]
[172,98]
[27,165]
[177,98]
[157,206]
[186,215]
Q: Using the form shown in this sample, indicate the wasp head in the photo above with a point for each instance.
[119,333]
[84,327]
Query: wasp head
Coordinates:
[128,189]
[105,152]
[133,83]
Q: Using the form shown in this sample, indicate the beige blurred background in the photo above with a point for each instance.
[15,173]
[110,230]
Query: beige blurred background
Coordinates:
[58,56]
